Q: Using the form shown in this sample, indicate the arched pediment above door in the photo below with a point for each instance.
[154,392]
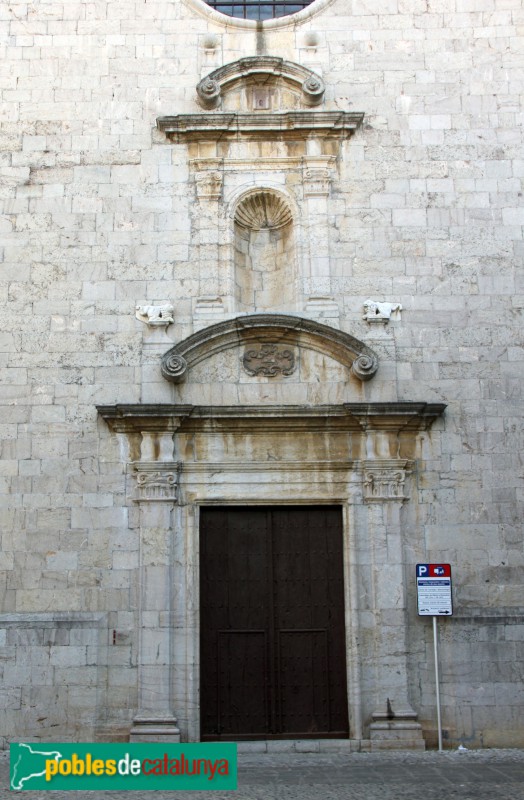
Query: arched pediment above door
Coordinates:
[266,345]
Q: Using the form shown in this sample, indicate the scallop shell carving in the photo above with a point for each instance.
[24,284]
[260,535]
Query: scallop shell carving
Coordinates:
[263,210]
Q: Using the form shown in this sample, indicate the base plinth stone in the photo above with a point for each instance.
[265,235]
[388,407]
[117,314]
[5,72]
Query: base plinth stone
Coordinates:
[397,730]
[154,729]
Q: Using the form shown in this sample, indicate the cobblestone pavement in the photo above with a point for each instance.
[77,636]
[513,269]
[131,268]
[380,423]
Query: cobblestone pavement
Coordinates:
[453,775]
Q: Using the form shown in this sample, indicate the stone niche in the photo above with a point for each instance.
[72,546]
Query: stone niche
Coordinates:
[265,270]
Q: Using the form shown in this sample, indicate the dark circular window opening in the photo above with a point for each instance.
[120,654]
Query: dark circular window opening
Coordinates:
[258,9]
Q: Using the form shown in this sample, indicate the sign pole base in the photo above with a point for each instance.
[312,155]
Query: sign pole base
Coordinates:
[437,684]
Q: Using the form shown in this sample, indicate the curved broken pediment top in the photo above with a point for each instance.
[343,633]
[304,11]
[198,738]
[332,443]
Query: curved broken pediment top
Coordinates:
[264,71]
[269,329]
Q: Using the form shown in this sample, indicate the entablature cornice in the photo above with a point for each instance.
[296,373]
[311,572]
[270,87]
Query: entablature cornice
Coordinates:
[259,126]
[392,417]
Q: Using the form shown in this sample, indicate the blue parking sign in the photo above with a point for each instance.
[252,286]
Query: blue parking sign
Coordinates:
[434,597]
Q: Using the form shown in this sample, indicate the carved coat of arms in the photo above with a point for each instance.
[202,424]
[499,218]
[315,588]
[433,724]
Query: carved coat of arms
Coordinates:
[269,360]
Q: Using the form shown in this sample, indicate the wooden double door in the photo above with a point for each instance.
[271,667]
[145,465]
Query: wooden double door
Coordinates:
[272,647]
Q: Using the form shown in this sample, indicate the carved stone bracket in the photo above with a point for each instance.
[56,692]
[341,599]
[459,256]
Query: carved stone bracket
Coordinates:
[174,367]
[155,481]
[385,480]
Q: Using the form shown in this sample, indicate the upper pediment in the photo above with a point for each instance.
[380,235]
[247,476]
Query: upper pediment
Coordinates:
[260,83]
[260,98]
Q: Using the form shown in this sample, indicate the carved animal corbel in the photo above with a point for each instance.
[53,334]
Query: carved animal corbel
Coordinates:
[156,316]
[375,311]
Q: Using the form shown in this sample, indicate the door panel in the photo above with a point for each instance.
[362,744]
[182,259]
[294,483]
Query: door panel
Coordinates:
[272,623]
[304,691]
[242,663]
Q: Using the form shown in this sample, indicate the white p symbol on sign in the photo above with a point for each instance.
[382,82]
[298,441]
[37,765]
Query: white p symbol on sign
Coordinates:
[422,570]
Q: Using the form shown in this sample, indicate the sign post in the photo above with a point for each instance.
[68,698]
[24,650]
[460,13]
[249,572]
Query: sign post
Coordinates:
[434,599]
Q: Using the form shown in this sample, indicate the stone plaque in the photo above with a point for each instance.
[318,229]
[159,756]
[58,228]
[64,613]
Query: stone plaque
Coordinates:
[269,360]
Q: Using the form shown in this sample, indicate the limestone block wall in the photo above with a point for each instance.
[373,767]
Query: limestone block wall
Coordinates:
[101,212]
[55,674]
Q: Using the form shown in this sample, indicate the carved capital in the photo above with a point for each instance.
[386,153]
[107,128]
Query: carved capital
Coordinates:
[384,482]
[155,481]
[209,185]
[317,172]
[317,181]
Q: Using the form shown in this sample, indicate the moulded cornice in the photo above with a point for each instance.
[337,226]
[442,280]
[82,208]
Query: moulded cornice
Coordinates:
[395,416]
[145,417]
[268,329]
[289,125]
[391,417]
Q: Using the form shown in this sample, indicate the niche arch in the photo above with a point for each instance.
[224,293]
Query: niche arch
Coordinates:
[264,235]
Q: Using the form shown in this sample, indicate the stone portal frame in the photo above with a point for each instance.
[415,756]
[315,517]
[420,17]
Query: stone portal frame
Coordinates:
[273,455]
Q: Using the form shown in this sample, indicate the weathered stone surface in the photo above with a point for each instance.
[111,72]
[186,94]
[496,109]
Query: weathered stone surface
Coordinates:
[417,203]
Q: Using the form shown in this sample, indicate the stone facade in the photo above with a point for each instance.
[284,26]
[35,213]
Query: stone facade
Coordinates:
[276,190]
